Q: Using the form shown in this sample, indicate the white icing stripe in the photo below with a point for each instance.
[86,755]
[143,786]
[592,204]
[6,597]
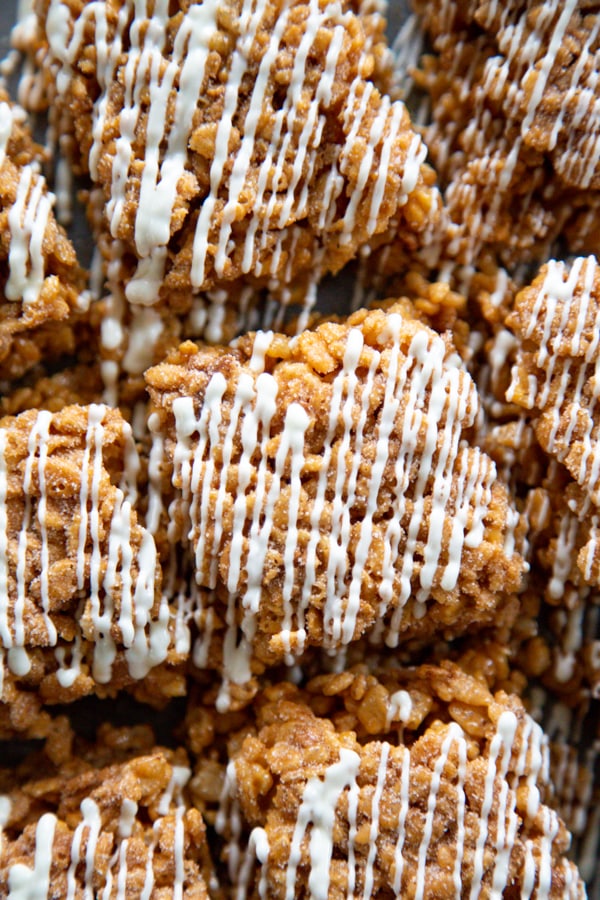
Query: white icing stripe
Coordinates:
[179,778]
[39,436]
[318,808]
[299,423]
[501,743]
[403,809]
[155,462]
[454,735]
[34,884]
[529,876]
[104,645]
[91,823]
[27,219]
[126,819]
[374,828]
[149,879]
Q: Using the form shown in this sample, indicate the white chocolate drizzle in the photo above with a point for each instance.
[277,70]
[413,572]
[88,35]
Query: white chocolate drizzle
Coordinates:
[318,807]
[90,827]
[28,220]
[564,326]
[34,884]
[512,68]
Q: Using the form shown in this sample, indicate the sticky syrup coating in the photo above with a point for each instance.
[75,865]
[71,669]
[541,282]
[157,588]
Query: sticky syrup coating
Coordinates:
[85,793]
[373,356]
[40,278]
[429,757]
[513,126]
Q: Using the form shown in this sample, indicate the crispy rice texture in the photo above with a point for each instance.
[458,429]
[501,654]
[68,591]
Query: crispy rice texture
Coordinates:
[513,126]
[362,551]
[83,580]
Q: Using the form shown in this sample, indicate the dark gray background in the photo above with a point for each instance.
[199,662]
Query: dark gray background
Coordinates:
[7,17]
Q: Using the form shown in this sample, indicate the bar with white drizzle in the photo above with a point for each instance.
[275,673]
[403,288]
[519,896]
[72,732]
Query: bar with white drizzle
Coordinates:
[556,321]
[327,487]
[81,601]
[236,141]
[514,124]
[115,829]
[432,807]
[41,298]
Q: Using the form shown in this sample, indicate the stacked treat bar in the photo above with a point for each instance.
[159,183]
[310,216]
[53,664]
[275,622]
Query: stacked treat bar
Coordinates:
[365,547]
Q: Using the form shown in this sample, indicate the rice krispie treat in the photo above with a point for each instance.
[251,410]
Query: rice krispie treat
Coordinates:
[232,144]
[418,782]
[40,280]
[83,607]
[555,638]
[545,76]
[556,322]
[554,327]
[537,384]
[327,488]
[113,820]
[514,124]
